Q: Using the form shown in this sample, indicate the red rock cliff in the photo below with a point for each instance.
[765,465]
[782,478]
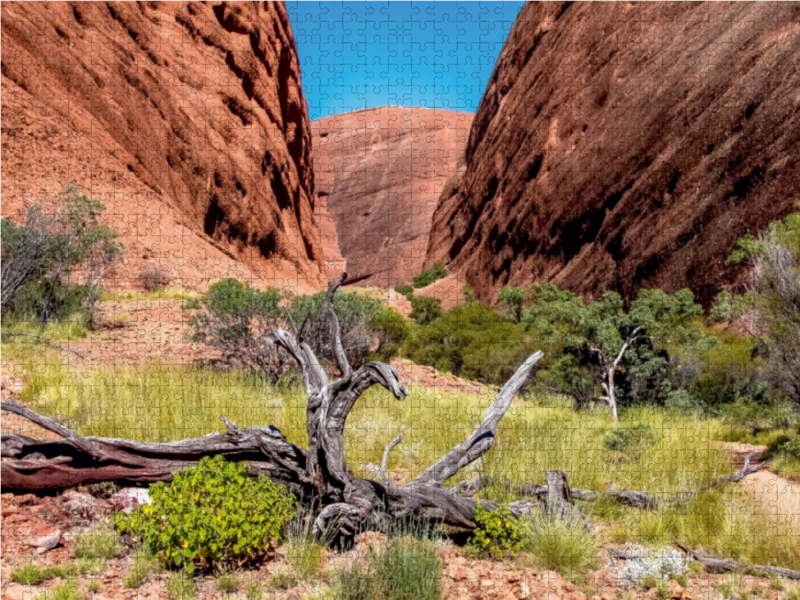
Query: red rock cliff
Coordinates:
[187,119]
[380,171]
[627,145]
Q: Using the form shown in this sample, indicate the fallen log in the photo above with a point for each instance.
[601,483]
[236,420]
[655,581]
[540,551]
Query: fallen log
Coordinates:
[724,565]
[635,499]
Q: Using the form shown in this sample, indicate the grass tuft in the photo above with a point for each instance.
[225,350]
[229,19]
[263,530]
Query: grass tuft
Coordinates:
[562,546]
[97,543]
[141,567]
[180,586]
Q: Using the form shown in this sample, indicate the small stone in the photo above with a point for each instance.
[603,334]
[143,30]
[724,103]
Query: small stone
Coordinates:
[677,592]
[9,510]
[44,536]
[20,592]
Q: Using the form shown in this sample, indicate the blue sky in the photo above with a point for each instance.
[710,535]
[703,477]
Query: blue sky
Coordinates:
[356,55]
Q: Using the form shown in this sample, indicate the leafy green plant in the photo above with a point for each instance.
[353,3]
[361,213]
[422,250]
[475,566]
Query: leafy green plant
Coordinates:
[211,515]
[96,543]
[436,272]
[498,532]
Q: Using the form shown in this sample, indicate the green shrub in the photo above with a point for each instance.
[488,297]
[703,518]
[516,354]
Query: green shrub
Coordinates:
[235,319]
[425,309]
[39,255]
[392,330]
[630,439]
[405,290]
[562,546]
[498,532]
[355,313]
[471,341]
[438,271]
[513,300]
[211,515]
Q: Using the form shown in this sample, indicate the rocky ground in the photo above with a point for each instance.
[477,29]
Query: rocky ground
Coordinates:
[43,530]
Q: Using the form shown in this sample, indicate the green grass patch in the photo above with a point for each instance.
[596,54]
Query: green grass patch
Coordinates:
[407,569]
[679,451]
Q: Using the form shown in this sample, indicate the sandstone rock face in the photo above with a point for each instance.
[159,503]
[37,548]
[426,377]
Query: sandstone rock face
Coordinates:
[186,119]
[626,145]
[379,172]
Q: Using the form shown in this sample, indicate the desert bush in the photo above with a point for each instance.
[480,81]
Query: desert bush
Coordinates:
[513,300]
[392,330]
[635,438]
[355,313]
[405,290]
[235,320]
[154,276]
[228,582]
[425,309]
[498,532]
[471,341]
[436,272]
[211,515]
[303,547]
[41,254]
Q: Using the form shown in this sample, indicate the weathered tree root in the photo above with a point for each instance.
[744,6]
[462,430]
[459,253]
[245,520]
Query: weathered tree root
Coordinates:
[722,565]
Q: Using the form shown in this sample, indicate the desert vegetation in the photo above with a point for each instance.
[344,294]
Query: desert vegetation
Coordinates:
[629,403]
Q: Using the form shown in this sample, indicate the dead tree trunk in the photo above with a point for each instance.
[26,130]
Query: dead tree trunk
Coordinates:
[320,472]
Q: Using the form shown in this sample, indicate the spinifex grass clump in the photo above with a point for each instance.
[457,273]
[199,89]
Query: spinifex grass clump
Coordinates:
[211,515]
[407,569]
